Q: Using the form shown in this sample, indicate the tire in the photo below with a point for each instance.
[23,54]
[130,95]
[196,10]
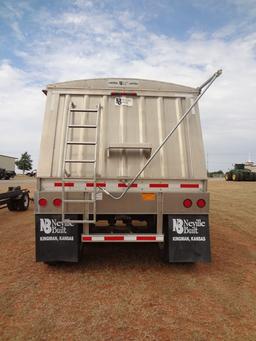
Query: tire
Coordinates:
[12,205]
[151,224]
[237,177]
[56,263]
[228,177]
[23,203]
[234,177]
[251,177]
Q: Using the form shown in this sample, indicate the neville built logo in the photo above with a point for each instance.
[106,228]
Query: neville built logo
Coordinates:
[53,226]
[185,226]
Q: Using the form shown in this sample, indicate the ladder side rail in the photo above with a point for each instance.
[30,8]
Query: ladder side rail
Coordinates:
[64,155]
[95,164]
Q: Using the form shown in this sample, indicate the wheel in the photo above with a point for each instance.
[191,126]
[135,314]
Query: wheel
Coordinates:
[52,263]
[163,247]
[163,252]
[237,177]
[151,221]
[228,177]
[23,202]
[12,205]
[234,177]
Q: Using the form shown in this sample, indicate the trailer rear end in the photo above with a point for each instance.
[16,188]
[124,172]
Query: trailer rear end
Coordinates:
[122,160]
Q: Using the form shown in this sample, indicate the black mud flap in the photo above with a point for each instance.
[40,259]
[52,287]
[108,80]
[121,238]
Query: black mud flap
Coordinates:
[187,238]
[56,242]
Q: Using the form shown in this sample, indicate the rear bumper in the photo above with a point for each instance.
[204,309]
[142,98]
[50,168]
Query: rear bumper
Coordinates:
[131,203]
[122,238]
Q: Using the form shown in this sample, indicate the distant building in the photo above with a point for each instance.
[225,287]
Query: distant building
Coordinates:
[7,162]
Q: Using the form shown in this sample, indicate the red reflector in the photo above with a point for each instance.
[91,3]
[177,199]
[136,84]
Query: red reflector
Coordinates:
[69,184]
[42,202]
[123,94]
[159,185]
[189,185]
[98,184]
[114,238]
[145,238]
[66,184]
[187,203]
[57,202]
[201,203]
[124,185]
[87,238]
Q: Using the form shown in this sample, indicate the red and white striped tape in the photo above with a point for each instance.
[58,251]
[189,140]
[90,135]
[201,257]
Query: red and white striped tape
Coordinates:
[123,238]
[123,185]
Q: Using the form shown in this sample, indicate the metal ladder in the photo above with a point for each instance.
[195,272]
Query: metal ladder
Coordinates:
[66,176]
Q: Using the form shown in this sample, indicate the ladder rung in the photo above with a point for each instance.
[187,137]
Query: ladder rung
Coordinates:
[80,161]
[84,110]
[82,126]
[79,201]
[78,221]
[91,143]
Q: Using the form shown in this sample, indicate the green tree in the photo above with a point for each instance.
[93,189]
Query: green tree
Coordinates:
[25,162]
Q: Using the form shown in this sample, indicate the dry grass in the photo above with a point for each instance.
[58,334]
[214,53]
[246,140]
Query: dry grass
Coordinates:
[125,292]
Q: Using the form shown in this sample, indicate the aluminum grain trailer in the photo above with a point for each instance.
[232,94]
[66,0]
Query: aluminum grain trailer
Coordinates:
[122,160]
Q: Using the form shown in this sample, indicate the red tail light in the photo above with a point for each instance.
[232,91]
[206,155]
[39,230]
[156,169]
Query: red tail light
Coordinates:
[57,202]
[42,202]
[201,203]
[187,203]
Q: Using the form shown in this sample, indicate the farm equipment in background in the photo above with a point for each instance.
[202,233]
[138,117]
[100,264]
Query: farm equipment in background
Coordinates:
[6,175]
[16,199]
[32,173]
[240,173]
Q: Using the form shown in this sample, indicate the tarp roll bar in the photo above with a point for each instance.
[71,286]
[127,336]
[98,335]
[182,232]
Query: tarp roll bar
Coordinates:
[205,86]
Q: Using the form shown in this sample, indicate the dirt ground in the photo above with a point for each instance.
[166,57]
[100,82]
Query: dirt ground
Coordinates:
[125,292]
